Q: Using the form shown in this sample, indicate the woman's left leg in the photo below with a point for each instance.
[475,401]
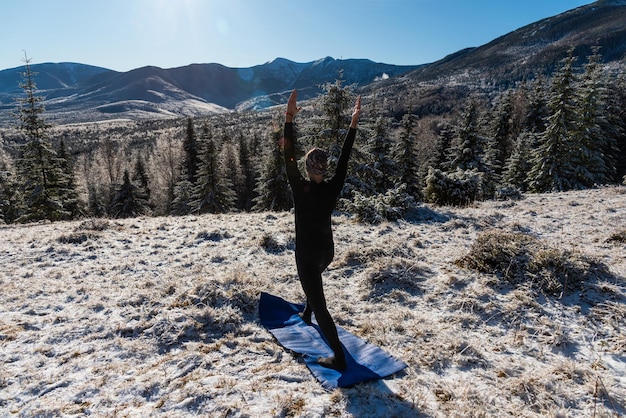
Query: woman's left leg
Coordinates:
[310,274]
[306,313]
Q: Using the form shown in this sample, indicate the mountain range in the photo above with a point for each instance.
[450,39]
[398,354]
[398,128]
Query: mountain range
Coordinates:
[78,92]
[81,92]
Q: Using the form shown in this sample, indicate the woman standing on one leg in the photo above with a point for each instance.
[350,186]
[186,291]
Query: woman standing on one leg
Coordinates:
[314,200]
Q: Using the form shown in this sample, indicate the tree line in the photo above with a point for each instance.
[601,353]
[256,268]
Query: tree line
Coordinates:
[568,136]
[545,135]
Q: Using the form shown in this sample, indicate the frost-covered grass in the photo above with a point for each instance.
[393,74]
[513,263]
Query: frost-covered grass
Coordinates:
[158,316]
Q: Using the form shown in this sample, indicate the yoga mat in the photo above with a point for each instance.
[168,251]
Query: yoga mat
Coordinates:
[365,361]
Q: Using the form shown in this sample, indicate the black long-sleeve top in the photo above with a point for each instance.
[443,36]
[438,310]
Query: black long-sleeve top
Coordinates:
[314,202]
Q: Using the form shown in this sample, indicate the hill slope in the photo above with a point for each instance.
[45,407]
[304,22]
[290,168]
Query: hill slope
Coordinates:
[539,47]
[158,316]
[532,50]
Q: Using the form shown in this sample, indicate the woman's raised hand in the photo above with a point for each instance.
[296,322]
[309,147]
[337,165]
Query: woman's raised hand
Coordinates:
[292,107]
[356,113]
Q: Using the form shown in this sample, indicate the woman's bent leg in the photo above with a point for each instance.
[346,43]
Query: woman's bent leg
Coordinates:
[311,280]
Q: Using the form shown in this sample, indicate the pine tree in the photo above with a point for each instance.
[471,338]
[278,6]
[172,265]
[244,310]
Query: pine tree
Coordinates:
[181,191]
[533,124]
[499,143]
[128,201]
[273,191]
[141,179]
[383,170]
[616,109]
[212,193]
[596,148]
[38,166]
[334,122]
[190,153]
[441,157]
[467,155]
[249,174]
[537,108]
[552,165]
[182,203]
[95,204]
[233,173]
[9,197]
[336,106]
[517,165]
[405,155]
[68,190]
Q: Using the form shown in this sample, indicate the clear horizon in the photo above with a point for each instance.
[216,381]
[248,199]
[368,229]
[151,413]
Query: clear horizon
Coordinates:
[124,35]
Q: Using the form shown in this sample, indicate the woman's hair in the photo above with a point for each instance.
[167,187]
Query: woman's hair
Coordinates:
[316,161]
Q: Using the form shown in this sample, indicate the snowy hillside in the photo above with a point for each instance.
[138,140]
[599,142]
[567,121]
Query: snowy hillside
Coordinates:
[158,316]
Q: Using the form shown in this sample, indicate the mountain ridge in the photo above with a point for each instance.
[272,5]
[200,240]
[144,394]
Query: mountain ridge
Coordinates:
[539,47]
[534,50]
[78,92]
[94,92]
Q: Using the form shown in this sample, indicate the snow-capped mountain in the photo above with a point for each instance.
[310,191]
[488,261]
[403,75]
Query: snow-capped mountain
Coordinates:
[84,92]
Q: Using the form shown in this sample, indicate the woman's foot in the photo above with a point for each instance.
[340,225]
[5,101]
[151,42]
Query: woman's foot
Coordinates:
[332,363]
[306,316]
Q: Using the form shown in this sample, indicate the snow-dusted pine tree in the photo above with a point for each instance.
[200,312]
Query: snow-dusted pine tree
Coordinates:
[140,177]
[467,164]
[213,192]
[128,200]
[616,108]
[537,108]
[383,173]
[233,173]
[273,191]
[517,165]
[67,184]
[499,142]
[190,153]
[183,197]
[552,164]
[597,150]
[8,192]
[441,156]
[38,167]
[248,172]
[468,152]
[182,190]
[405,156]
[334,121]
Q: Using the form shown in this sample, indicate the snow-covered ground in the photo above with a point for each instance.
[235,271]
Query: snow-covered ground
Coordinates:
[158,316]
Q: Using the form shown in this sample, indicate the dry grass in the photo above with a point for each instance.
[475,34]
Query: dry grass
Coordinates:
[618,237]
[521,258]
[158,316]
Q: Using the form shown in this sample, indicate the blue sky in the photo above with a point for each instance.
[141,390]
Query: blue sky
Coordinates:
[126,34]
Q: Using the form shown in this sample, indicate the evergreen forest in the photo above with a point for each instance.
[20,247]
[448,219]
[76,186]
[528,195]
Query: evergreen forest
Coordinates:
[546,134]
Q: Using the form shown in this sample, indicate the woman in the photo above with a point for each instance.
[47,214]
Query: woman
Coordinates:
[314,200]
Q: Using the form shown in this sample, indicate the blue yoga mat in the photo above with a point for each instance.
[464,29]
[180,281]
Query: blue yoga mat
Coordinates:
[365,361]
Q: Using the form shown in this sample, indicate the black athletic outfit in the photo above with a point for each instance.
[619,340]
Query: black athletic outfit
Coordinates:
[314,204]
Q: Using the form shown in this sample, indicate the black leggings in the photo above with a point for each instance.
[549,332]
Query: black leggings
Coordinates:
[310,272]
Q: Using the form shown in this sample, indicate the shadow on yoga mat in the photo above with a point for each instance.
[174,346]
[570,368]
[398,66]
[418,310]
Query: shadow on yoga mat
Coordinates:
[365,361]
